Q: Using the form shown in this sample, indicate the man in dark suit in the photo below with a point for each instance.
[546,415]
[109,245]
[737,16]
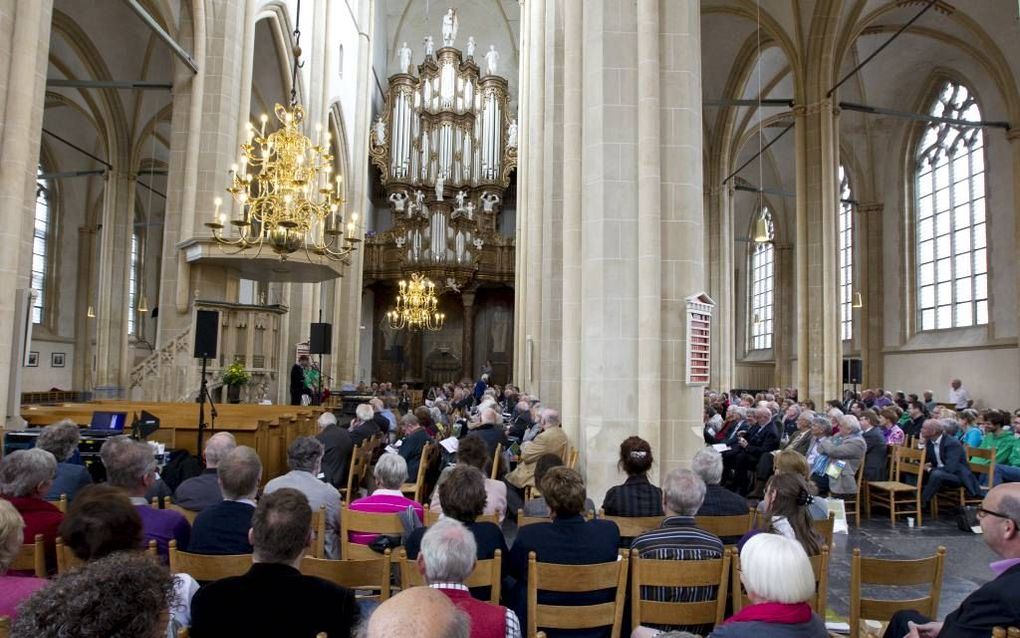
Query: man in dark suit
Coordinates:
[281,532]
[946,462]
[337,445]
[522,420]
[761,438]
[994,604]
[412,445]
[297,380]
[490,430]
[202,491]
[567,540]
[223,528]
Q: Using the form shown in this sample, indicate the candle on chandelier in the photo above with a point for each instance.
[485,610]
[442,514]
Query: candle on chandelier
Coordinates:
[263,118]
[216,213]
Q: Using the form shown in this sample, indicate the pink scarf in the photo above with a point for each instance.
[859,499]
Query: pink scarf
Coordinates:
[778,613]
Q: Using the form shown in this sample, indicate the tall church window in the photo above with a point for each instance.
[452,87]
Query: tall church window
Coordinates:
[951,234]
[133,286]
[846,256]
[40,246]
[762,284]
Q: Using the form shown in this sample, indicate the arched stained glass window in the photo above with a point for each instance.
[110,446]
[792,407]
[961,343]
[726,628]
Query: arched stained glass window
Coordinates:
[40,246]
[951,235]
[762,284]
[846,256]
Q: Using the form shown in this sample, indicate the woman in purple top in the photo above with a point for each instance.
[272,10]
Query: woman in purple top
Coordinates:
[13,589]
[893,433]
[390,473]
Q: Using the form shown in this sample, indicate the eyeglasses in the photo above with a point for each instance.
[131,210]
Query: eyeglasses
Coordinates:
[982,512]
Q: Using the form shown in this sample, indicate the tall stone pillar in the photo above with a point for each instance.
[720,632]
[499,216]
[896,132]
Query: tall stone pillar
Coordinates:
[114,273]
[1014,142]
[535,212]
[468,345]
[870,316]
[784,333]
[719,200]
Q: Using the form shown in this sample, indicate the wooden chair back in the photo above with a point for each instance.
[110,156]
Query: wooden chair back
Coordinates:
[908,460]
[494,474]
[184,632]
[725,526]
[66,560]
[432,516]
[820,567]
[572,455]
[355,521]
[894,573]
[206,568]
[5,627]
[61,503]
[487,573]
[824,527]
[416,490]
[186,513]
[31,558]
[576,578]
[319,532]
[523,520]
[646,572]
[369,573]
[633,526]
[356,471]
[987,468]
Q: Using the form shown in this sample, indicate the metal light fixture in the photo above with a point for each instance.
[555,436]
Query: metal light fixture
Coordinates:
[91,313]
[143,305]
[761,229]
[858,300]
[417,306]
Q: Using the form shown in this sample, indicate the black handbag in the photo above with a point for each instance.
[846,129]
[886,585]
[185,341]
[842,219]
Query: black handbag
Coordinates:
[966,518]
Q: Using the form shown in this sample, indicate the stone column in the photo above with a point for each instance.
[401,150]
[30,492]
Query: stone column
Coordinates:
[870,317]
[468,344]
[25,28]
[1014,142]
[784,330]
[82,374]
[521,354]
[534,213]
[114,273]
[720,267]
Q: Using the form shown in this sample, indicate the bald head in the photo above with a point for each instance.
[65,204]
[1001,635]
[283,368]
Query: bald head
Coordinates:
[218,447]
[1001,529]
[489,415]
[419,612]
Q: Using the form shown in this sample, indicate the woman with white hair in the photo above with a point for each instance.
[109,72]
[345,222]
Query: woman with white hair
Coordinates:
[844,453]
[61,440]
[390,473]
[778,578]
[13,589]
[25,479]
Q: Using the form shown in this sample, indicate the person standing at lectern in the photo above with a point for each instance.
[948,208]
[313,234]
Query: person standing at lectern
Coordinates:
[297,380]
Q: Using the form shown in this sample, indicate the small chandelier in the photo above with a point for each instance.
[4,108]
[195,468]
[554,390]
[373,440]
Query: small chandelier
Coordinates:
[417,306]
[286,194]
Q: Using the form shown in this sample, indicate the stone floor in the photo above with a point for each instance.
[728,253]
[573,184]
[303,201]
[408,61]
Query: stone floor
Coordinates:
[967,559]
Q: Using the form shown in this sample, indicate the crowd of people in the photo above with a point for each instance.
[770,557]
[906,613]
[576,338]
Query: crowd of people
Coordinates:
[768,451]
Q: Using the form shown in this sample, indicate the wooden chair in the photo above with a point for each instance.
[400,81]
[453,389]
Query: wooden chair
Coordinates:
[893,573]
[725,526]
[5,627]
[207,568]
[997,632]
[61,503]
[494,474]
[353,520]
[319,532]
[824,527]
[31,557]
[370,573]
[633,526]
[819,565]
[356,471]
[957,496]
[432,516]
[852,502]
[571,460]
[487,573]
[898,497]
[523,520]
[66,560]
[183,511]
[576,578]
[416,491]
[678,573]
[183,632]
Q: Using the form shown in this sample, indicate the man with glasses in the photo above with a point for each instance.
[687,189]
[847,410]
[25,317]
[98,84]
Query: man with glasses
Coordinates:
[994,604]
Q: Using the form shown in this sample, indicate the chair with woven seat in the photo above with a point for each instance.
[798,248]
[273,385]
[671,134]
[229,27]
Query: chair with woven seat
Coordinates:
[899,497]
[367,574]
[368,523]
[207,567]
[31,558]
[633,526]
[852,502]
[957,496]
[894,573]
[487,573]
[416,490]
[733,526]
[820,567]
[646,572]
[551,577]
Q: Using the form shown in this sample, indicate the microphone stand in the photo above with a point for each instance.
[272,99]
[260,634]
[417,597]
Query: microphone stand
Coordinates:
[203,396]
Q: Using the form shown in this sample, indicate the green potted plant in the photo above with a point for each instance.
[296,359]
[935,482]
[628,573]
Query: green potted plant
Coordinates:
[234,377]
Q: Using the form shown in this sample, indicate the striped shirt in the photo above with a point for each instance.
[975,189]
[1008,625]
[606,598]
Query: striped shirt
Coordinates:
[383,501]
[679,539]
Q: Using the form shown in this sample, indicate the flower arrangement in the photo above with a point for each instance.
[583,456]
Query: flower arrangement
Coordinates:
[235,374]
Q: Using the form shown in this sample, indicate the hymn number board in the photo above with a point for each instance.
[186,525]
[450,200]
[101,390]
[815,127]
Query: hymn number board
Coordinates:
[699,338]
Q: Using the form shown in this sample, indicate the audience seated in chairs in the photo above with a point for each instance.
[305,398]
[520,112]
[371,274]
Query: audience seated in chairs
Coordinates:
[799,441]
[779,581]
[787,497]
[61,440]
[274,598]
[25,479]
[744,454]
[448,554]
[998,438]
[304,457]
[835,470]
[131,466]
[390,473]
[790,462]
[421,612]
[223,527]
[683,493]
[364,425]
[719,501]
[994,604]
[552,440]
[537,506]
[473,451]
[202,491]
[946,463]
[637,496]
[103,522]
[13,589]
[337,447]
[567,540]
[124,595]
[490,430]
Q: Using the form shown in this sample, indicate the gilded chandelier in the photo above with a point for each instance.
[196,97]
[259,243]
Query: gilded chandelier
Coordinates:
[286,194]
[417,306]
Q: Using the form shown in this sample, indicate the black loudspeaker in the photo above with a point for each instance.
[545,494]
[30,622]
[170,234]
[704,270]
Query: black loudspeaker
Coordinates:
[206,332]
[321,341]
[851,371]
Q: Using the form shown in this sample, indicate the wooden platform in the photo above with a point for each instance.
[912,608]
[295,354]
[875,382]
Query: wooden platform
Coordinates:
[267,428]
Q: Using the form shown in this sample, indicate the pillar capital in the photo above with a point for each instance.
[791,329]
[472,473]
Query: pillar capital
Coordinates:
[870,208]
[1013,134]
